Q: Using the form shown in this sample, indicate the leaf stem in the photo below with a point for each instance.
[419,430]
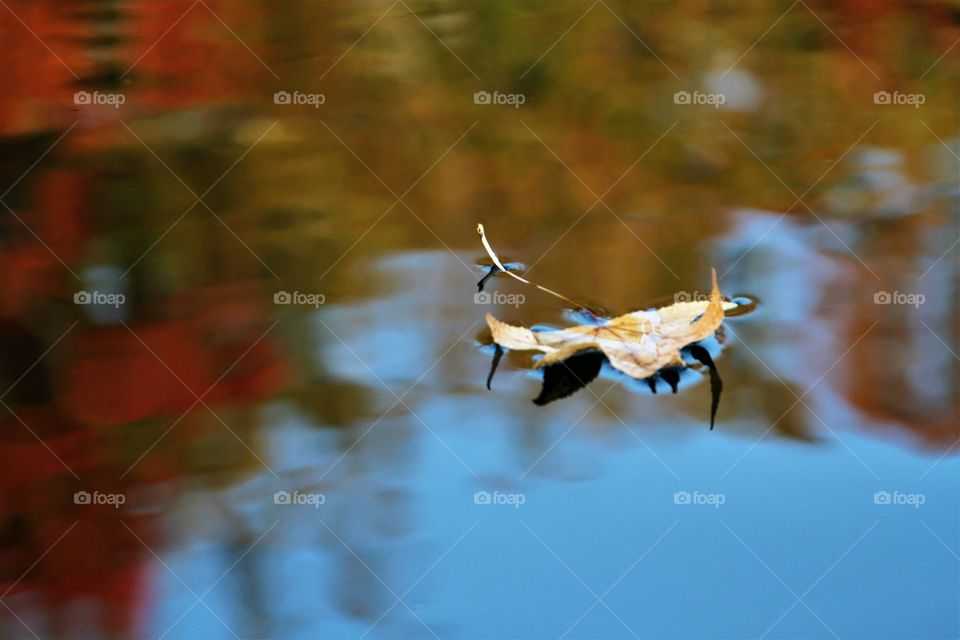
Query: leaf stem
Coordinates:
[496,261]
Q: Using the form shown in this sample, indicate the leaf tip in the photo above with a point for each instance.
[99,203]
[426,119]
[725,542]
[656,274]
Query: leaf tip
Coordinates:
[494,325]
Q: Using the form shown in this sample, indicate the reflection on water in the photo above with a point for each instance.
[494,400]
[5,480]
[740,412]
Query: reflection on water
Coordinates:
[241,386]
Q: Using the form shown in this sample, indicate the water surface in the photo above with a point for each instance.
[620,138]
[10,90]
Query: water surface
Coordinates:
[244,368]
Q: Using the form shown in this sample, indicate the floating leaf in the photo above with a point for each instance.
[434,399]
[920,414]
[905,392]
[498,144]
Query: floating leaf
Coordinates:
[639,344]
[645,345]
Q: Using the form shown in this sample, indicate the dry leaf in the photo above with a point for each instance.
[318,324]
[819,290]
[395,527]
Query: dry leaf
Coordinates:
[645,345]
[638,344]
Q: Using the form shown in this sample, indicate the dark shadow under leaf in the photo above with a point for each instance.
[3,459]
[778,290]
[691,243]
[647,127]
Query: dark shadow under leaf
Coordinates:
[716,384]
[671,376]
[564,378]
[497,354]
[489,274]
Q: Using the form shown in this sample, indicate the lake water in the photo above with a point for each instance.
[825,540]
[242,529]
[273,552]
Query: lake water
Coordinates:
[243,381]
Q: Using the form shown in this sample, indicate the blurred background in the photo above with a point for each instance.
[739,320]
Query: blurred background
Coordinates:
[242,375]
